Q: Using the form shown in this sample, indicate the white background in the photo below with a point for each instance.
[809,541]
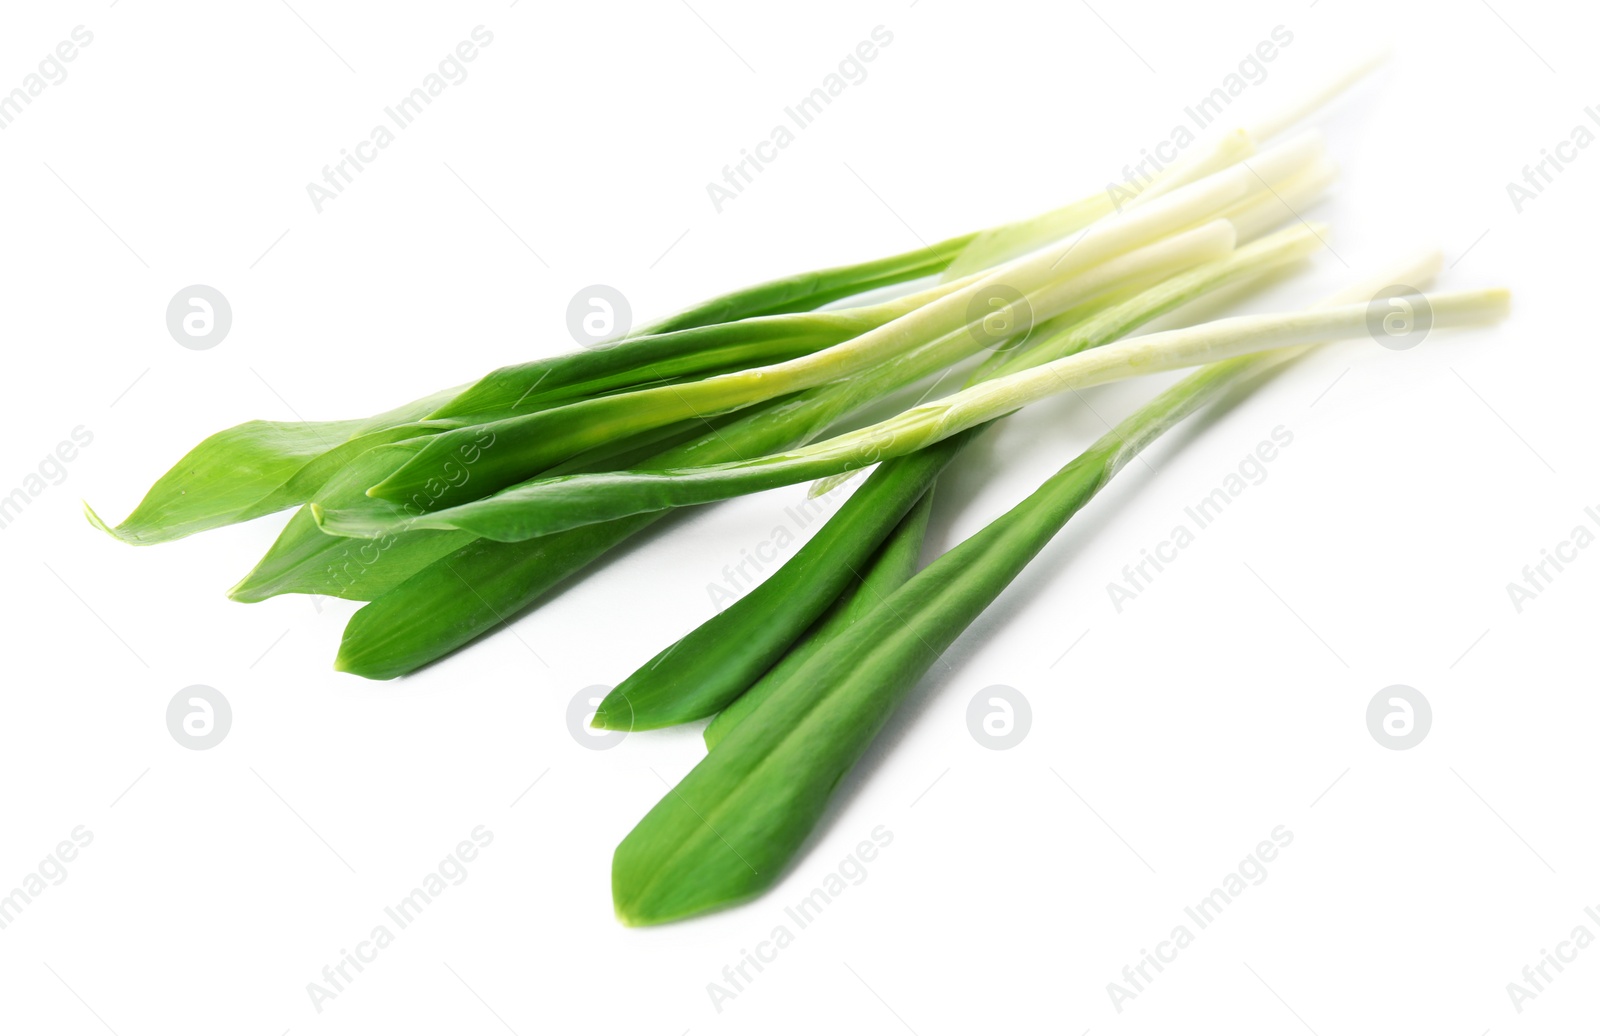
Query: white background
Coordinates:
[1227,699]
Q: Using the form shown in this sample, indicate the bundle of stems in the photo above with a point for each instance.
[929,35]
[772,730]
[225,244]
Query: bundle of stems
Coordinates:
[554,504]
[452,514]
[748,375]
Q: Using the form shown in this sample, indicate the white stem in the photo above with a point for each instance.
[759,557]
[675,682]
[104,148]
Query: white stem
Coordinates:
[1038,275]
[1284,202]
[1185,206]
[1286,248]
[1231,149]
[1416,270]
[1152,353]
[1153,262]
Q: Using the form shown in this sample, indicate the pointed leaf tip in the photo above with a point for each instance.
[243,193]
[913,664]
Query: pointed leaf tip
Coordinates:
[96,521]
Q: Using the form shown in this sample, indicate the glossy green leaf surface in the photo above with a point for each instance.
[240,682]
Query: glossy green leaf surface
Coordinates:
[894,563]
[716,662]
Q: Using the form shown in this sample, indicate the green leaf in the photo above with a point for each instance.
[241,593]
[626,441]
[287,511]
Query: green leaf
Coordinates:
[653,358]
[304,559]
[716,662]
[307,560]
[817,288]
[254,469]
[893,564]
